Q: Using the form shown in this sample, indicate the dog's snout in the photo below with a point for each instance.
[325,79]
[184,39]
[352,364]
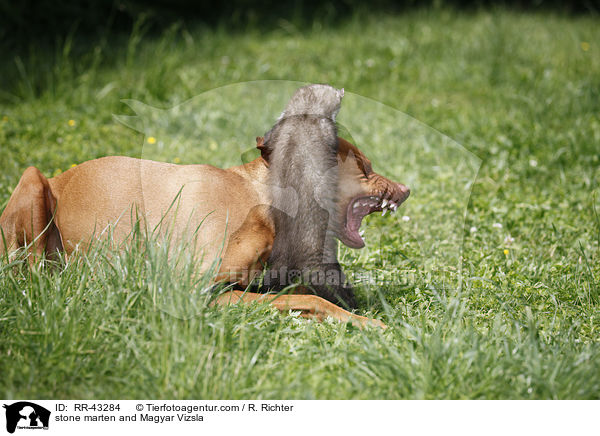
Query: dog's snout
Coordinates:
[404,191]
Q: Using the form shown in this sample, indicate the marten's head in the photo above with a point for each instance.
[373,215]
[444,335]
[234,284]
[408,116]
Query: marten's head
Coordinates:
[317,100]
[361,191]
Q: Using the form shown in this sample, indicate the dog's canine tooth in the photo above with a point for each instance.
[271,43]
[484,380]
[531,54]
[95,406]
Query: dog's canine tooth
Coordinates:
[356,205]
[393,206]
[384,203]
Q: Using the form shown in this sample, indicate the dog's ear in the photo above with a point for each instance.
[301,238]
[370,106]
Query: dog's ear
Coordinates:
[265,151]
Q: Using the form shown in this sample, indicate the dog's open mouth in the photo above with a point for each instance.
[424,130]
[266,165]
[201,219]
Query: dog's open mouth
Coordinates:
[361,206]
[357,209]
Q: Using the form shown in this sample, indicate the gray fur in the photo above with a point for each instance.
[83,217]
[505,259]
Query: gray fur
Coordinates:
[303,156]
[319,100]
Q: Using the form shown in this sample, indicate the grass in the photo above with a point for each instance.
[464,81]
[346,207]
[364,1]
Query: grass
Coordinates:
[520,91]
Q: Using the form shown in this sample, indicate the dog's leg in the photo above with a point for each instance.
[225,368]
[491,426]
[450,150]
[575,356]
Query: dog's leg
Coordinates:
[309,306]
[27,219]
[248,249]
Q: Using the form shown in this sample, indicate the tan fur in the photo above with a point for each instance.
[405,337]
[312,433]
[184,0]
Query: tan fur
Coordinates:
[229,205]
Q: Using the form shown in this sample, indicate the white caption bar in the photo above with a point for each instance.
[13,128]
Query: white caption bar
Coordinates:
[23,417]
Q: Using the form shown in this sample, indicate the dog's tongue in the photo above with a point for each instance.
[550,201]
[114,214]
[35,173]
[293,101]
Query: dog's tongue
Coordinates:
[355,213]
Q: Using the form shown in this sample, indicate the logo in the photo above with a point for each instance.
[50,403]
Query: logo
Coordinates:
[26,415]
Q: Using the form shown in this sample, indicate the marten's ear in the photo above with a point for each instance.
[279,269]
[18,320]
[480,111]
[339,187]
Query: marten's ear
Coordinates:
[264,150]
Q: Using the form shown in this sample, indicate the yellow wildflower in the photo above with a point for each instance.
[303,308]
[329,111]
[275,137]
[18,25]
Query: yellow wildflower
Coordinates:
[506,252]
[176,160]
[73,165]
[151,140]
[585,46]
[71,123]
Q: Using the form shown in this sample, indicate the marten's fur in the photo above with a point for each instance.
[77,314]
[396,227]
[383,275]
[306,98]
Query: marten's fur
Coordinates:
[302,149]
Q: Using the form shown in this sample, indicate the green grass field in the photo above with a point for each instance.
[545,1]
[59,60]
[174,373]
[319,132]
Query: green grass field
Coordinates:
[519,90]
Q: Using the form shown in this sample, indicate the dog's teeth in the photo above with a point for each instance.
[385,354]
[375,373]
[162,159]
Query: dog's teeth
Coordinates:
[384,204]
[393,207]
[383,212]
[356,206]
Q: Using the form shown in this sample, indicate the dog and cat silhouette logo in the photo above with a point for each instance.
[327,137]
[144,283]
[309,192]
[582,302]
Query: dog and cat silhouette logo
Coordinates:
[26,415]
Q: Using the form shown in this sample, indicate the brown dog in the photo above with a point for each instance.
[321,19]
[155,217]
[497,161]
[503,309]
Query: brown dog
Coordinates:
[229,207]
